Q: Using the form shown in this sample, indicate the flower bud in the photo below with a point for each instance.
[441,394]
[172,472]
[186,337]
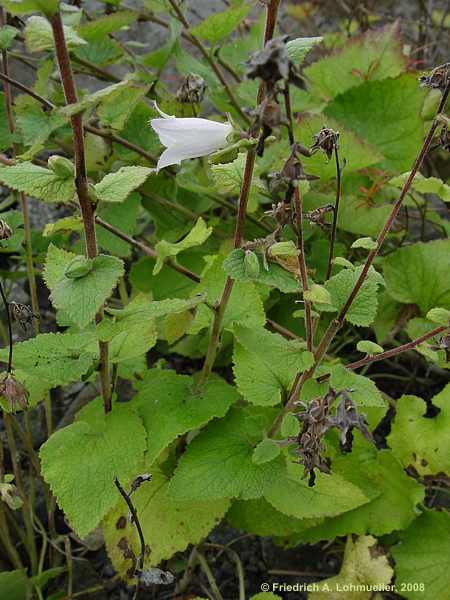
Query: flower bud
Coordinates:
[192,90]
[5,230]
[9,493]
[78,267]
[61,166]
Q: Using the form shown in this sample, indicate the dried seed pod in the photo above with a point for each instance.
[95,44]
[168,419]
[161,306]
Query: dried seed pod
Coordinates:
[326,140]
[192,90]
[271,63]
[438,79]
[5,230]
[14,392]
[444,138]
[22,314]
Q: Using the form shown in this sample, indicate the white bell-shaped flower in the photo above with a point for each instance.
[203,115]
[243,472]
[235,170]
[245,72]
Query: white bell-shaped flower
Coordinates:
[188,137]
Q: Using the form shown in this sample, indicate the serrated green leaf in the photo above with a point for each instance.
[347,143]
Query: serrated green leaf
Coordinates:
[298,48]
[418,274]
[37,182]
[373,56]
[265,364]
[331,494]
[441,316]
[290,426]
[364,307]
[261,518]
[170,406]
[318,294]
[196,237]
[421,557]
[265,451]
[80,299]
[168,526]
[228,178]
[364,391]
[218,26]
[15,585]
[365,566]
[368,347]
[393,497]
[80,462]
[117,186]
[420,441]
[124,216]
[107,24]
[89,101]
[24,7]
[39,35]
[372,111]
[115,108]
[424,185]
[274,276]
[218,463]
[361,218]
[7,35]
[55,358]
[366,242]
[343,262]
[284,249]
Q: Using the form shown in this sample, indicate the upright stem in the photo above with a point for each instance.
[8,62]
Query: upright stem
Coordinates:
[8,318]
[211,353]
[335,213]
[81,182]
[302,267]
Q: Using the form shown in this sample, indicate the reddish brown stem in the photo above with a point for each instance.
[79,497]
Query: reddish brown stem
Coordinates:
[335,214]
[302,267]
[81,182]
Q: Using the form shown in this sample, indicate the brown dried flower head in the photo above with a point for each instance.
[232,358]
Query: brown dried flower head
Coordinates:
[326,140]
[14,392]
[192,90]
[5,230]
[271,63]
[22,314]
[438,79]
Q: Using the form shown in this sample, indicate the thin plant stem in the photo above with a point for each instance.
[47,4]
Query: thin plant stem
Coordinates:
[335,213]
[302,267]
[209,574]
[337,323]
[214,340]
[81,183]
[10,336]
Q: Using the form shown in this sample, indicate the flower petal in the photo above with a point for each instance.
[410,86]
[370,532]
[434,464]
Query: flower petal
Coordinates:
[175,153]
[188,129]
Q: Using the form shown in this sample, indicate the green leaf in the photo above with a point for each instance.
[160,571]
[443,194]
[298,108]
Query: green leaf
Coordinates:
[421,557]
[115,108]
[218,463]
[80,462]
[364,307]
[15,585]
[361,217]
[39,36]
[290,426]
[196,237]
[366,242]
[170,406]
[80,299]
[37,182]
[420,441]
[218,26]
[55,358]
[365,566]
[265,364]
[386,114]
[298,48]
[373,56]
[274,276]
[284,249]
[91,100]
[5,134]
[7,35]
[318,294]
[364,391]
[24,7]
[124,216]
[116,187]
[168,525]
[228,178]
[331,494]
[393,496]
[107,24]
[441,316]
[265,451]
[424,185]
[418,274]
[369,348]
[261,518]
[266,596]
